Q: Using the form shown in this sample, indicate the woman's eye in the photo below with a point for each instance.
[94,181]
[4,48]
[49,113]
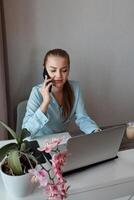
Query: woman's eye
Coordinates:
[64,71]
[53,71]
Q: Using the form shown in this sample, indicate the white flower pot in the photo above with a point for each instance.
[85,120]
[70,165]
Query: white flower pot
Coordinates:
[17,186]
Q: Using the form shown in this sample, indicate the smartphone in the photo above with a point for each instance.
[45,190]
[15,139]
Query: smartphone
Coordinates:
[45,73]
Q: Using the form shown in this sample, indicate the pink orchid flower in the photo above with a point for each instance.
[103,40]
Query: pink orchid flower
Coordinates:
[56,191]
[58,161]
[50,145]
[39,176]
[51,180]
[60,158]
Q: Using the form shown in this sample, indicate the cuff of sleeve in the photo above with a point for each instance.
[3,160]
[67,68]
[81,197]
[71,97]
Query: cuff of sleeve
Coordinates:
[92,129]
[41,117]
[96,130]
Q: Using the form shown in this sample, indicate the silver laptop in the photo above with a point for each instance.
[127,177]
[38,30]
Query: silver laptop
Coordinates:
[86,150]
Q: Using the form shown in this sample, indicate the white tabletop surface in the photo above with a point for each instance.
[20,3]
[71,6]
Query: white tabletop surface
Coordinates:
[130,197]
[124,198]
[107,181]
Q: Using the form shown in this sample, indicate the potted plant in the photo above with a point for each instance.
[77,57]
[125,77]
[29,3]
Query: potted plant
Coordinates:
[16,159]
[18,167]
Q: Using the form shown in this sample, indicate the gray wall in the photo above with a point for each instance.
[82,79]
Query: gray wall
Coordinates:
[99,36]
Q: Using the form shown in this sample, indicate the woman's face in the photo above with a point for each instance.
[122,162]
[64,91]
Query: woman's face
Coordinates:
[58,69]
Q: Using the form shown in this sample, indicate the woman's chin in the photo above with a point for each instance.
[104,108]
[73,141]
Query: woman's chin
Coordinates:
[58,86]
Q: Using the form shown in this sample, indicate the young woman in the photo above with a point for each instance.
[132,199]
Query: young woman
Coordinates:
[51,112]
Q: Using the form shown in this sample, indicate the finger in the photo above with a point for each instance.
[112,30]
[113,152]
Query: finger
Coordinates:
[48,86]
[46,81]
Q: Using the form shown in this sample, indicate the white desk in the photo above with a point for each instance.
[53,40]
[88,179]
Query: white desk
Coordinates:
[130,197]
[107,181]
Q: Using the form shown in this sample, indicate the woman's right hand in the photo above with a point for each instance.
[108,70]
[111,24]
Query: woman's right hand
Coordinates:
[44,90]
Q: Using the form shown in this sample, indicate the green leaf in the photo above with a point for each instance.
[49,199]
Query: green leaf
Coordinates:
[10,130]
[14,162]
[31,157]
[23,147]
[5,149]
[21,136]
[28,146]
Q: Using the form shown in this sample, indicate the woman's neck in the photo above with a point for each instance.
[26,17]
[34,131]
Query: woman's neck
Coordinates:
[58,94]
[57,90]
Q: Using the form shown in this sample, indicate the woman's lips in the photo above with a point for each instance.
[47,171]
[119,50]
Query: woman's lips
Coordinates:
[58,81]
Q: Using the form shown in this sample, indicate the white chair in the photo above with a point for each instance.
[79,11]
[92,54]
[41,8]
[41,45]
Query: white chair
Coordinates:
[21,109]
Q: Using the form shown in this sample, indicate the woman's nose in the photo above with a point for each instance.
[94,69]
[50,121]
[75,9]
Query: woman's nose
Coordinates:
[58,74]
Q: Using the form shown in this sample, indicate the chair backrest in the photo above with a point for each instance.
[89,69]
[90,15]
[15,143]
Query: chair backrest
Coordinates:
[21,109]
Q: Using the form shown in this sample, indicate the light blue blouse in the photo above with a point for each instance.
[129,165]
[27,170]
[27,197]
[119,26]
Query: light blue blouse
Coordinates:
[39,123]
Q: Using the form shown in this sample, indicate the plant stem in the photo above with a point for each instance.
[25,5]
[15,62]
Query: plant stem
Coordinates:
[48,172]
[28,160]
